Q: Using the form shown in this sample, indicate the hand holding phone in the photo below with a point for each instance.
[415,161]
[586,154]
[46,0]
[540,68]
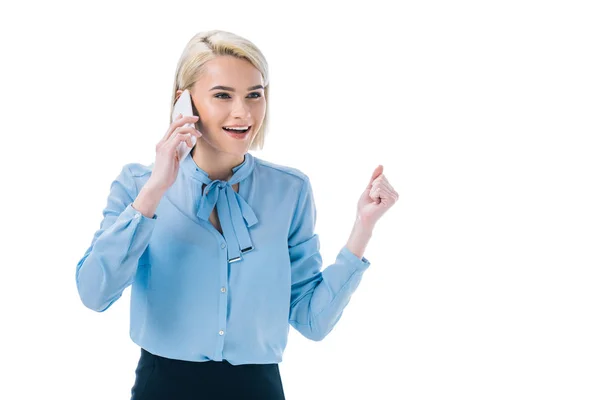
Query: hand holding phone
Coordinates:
[175,144]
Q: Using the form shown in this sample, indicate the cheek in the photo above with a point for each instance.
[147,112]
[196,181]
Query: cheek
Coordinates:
[212,114]
[259,110]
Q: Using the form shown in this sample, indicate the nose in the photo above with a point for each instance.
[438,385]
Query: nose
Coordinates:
[240,109]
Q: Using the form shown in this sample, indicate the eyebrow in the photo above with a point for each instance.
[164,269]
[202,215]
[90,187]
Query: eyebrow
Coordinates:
[233,90]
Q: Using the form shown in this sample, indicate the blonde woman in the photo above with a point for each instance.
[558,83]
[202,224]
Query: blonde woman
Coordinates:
[219,247]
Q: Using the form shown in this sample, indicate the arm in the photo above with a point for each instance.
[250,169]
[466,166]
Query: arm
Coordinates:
[110,263]
[319,298]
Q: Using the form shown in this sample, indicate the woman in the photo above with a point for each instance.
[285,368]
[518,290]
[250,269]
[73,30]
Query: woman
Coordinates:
[219,247]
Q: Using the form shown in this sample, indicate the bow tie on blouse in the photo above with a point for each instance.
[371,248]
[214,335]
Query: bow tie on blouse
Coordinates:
[235,215]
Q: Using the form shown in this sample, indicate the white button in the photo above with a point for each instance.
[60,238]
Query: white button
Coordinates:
[137,215]
[223,289]
[221,333]
[223,245]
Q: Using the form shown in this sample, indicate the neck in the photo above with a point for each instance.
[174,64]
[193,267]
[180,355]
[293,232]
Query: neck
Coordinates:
[218,165]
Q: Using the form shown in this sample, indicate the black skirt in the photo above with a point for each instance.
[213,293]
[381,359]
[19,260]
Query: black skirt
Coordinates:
[167,379]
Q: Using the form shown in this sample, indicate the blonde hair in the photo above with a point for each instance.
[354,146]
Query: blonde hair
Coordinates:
[205,46]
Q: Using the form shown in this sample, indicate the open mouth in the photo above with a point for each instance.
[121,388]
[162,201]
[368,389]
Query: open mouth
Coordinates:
[237,131]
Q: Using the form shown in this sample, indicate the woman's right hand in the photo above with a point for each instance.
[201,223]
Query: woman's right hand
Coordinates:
[166,165]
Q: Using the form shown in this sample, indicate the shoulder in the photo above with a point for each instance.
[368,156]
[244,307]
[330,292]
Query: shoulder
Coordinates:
[278,173]
[290,184]
[138,170]
[133,176]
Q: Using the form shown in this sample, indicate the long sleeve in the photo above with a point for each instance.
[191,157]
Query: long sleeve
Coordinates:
[110,263]
[318,298]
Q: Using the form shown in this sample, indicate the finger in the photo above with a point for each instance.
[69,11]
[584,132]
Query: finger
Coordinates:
[378,171]
[385,187]
[384,178]
[171,128]
[388,186]
[179,122]
[174,141]
[385,196]
[380,179]
[389,195]
[189,129]
[189,119]
[185,130]
[375,193]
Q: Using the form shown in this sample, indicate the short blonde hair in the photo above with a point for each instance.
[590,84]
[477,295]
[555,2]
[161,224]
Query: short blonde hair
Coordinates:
[205,46]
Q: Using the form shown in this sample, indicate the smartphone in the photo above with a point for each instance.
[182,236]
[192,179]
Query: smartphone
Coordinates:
[183,106]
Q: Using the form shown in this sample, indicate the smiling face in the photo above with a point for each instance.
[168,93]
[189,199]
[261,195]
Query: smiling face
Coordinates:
[229,94]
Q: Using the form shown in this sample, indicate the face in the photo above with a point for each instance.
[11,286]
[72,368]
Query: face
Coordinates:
[229,94]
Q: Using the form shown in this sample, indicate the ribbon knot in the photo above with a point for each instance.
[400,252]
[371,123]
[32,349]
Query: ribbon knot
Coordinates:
[235,214]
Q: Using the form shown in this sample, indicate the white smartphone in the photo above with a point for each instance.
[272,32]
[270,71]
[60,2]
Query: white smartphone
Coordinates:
[183,106]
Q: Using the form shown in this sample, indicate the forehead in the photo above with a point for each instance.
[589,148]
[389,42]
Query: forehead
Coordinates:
[230,71]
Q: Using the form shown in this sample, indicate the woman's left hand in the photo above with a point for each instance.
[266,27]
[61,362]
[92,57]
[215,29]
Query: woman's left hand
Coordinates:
[377,198]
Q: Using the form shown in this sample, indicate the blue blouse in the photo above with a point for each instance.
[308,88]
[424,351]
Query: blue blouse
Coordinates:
[199,295]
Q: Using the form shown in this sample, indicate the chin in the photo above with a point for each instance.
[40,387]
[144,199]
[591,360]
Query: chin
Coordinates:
[223,143]
[235,150]
[236,146]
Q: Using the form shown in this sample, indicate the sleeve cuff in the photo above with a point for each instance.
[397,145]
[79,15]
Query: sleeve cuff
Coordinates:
[131,212]
[350,257]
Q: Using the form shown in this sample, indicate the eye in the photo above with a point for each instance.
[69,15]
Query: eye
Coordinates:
[224,95]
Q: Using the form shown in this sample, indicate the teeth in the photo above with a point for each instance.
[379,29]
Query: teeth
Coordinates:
[238,129]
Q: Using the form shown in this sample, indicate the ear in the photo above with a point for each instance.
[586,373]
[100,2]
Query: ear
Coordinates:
[177,94]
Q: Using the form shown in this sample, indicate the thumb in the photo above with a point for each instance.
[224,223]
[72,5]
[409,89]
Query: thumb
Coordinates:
[378,171]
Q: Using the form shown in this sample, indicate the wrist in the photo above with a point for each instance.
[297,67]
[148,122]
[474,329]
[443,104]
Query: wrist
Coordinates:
[359,238]
[363,228]
[147,200]
[151,189]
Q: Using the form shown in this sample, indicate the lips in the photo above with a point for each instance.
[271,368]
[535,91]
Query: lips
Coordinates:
[236,130]
[235,134]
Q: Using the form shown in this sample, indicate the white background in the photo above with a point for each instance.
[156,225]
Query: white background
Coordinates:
[484,281]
